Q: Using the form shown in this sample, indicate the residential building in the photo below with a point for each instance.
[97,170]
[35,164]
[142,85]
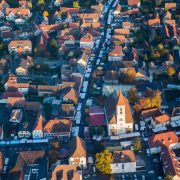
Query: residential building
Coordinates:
[20,46]
[77,152]
[116,54]
[58,128]
[87,41]
[66,172]
[123,162]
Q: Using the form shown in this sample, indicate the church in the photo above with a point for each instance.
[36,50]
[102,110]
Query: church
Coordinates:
[118,114]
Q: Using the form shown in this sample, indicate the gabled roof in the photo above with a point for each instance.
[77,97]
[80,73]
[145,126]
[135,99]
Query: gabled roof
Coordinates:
[117,51]
[77,148]
[163,139]
[170,6]
[124,156]
[65,172]
[58,126]
[26,158]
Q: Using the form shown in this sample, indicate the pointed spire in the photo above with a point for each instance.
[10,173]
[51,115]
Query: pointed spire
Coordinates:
[121,101]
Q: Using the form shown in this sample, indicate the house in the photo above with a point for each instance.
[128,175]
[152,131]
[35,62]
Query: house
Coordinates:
[116,54]
[77,152]
[87,41]
[89,17]
[160,121]
[125,32]
[148,114]
[30,164]
[96,116]
[132,3]
[16,116]
[13,86]
[71,96]
[154,22]
[12,13]
[170,6]
[166,144]
[158,141]
[20,46]
[58,128]
[118,114]
[123,162]
[66,172]
[37,132]
[170,163]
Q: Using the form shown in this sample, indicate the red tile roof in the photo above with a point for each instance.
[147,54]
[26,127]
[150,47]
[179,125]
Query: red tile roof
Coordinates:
[117,51]
[163,139]
[133,2]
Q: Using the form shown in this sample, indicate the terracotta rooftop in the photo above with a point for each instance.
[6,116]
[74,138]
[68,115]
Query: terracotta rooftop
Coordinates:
[170,6]
[124,156]
[117,51]
[163,139]
[133,2]
[65,172]
[122,31]
[87,38]
[58,126]
[18,11]
[170,162]
[77,148]
[26,158]
[161,119]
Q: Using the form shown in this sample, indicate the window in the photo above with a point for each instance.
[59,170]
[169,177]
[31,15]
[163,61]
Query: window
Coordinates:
[122,166]
[120,110]
[120,119]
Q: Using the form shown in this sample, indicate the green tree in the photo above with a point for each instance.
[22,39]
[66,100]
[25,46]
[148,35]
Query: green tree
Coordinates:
[137,144]
[103,161]
[132,95]
[170,71]
[129,75]
[168,176]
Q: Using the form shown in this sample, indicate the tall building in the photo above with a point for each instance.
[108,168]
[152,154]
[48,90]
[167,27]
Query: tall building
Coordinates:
[118,114]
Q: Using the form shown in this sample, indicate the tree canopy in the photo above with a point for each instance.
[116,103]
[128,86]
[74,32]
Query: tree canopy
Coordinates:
[137,144]
[151,99]
[129,75]
[170,71]
[132,95]
[103,161]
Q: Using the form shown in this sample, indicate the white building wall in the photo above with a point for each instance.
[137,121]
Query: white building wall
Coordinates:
[123,167]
